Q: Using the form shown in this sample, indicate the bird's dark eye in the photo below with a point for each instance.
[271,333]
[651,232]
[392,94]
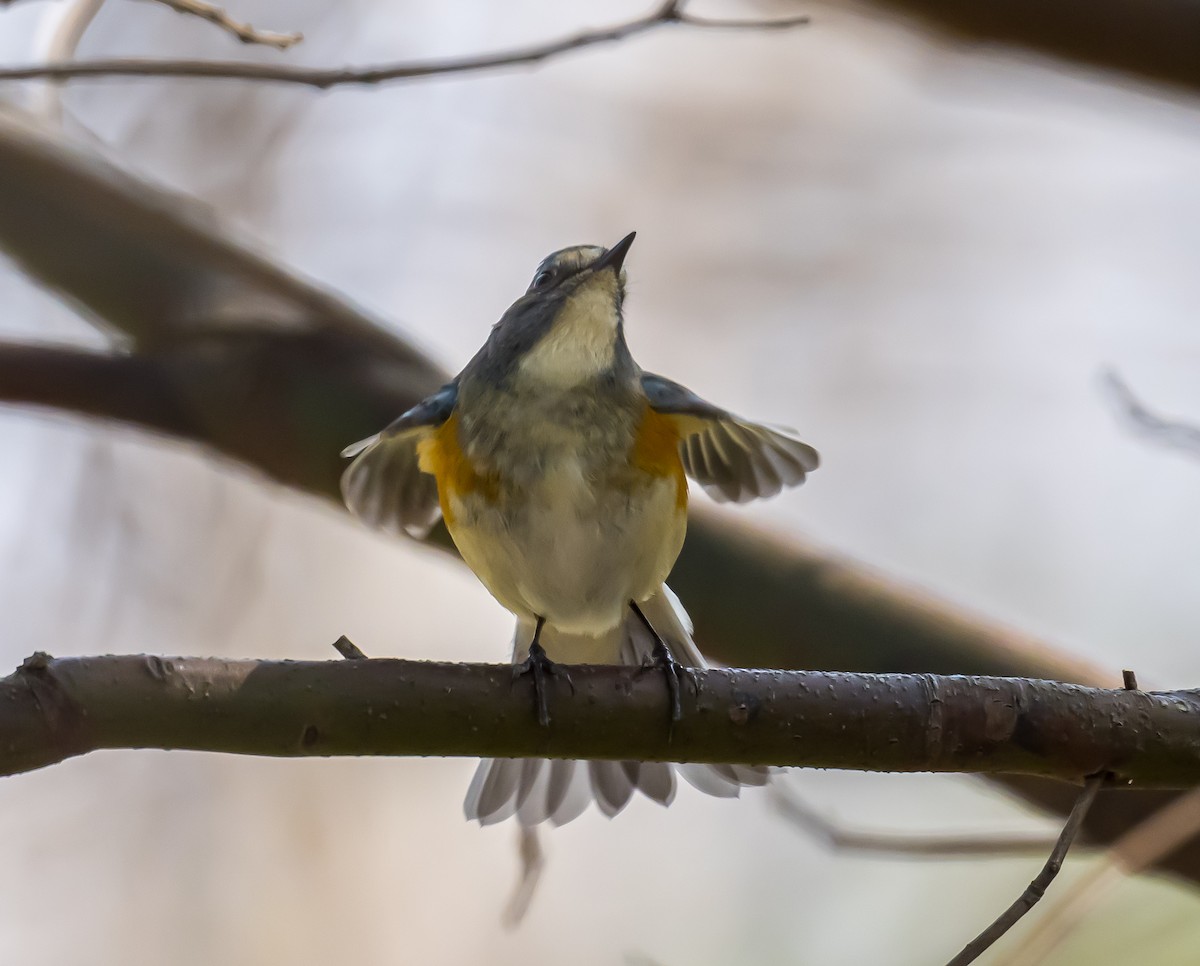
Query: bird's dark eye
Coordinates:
[542,279]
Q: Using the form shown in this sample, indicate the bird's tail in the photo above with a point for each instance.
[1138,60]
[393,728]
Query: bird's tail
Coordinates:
[537,790]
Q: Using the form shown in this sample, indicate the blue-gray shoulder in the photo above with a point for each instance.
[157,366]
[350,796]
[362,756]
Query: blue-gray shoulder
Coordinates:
[430,411]
[731,458]
[668,396]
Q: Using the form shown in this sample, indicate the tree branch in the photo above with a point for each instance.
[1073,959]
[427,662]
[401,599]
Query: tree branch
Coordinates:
[53,709]
[125,388]
[325,78]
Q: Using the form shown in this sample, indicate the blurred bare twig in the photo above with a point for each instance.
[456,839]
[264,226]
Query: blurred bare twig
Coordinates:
[1174,433]
[62,29]
[244,32]
[533,861]
[1037,888]
[671,12]
[54,709]
[939,846]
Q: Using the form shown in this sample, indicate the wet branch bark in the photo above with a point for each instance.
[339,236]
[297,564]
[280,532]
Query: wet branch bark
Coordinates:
[51,710]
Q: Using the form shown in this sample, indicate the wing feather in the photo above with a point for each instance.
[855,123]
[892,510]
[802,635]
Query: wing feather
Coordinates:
[384,486]
[732,458]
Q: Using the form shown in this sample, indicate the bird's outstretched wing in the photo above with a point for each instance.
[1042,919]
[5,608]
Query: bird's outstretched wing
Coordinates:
[731,458]
[384,486]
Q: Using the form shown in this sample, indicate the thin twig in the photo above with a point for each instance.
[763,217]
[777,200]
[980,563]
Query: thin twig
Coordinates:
[324,78]
[244,32]
[1037,888]
[1137,850]
[1174,433]
[809,820]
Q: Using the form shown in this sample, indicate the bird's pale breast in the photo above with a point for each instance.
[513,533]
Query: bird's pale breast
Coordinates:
[564,522]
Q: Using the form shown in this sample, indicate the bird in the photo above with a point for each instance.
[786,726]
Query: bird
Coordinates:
[560,468]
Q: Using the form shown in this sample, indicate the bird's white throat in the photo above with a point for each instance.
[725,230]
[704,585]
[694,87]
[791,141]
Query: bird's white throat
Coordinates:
[582,341]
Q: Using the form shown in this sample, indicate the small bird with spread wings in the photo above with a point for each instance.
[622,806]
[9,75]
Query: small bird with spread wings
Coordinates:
[560,468]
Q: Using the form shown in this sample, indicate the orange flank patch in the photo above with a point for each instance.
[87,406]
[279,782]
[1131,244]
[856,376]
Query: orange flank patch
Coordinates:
[656,451]
[440,455]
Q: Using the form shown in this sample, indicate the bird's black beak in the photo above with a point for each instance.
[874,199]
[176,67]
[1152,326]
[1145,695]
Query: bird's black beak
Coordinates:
[615,256]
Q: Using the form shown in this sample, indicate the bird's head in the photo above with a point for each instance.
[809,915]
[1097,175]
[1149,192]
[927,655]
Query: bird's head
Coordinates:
[567,327]
[592,266]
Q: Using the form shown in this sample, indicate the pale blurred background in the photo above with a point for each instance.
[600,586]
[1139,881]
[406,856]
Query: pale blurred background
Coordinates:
[922,257]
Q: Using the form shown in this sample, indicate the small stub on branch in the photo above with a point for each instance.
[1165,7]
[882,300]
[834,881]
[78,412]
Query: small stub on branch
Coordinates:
[348,649]
[37,662]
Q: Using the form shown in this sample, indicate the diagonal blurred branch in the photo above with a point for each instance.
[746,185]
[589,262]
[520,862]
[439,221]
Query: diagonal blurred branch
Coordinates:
[1153,40]
[671,12]
[278,374]
[149,264]
[910,845]
[124,388]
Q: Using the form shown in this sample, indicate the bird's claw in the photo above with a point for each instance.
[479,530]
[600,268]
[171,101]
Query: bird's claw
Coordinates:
[674,673]
[541,667]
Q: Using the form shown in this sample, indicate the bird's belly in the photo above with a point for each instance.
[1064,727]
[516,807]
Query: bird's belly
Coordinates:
[570,551]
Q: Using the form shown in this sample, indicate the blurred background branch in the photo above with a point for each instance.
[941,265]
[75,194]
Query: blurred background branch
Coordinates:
[1154,40]
[671,12]
[62,31]
[243,32]
[1145,423]
[928,845]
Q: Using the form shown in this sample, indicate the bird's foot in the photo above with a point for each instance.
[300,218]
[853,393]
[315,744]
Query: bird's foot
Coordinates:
[674,673]
[541,667]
